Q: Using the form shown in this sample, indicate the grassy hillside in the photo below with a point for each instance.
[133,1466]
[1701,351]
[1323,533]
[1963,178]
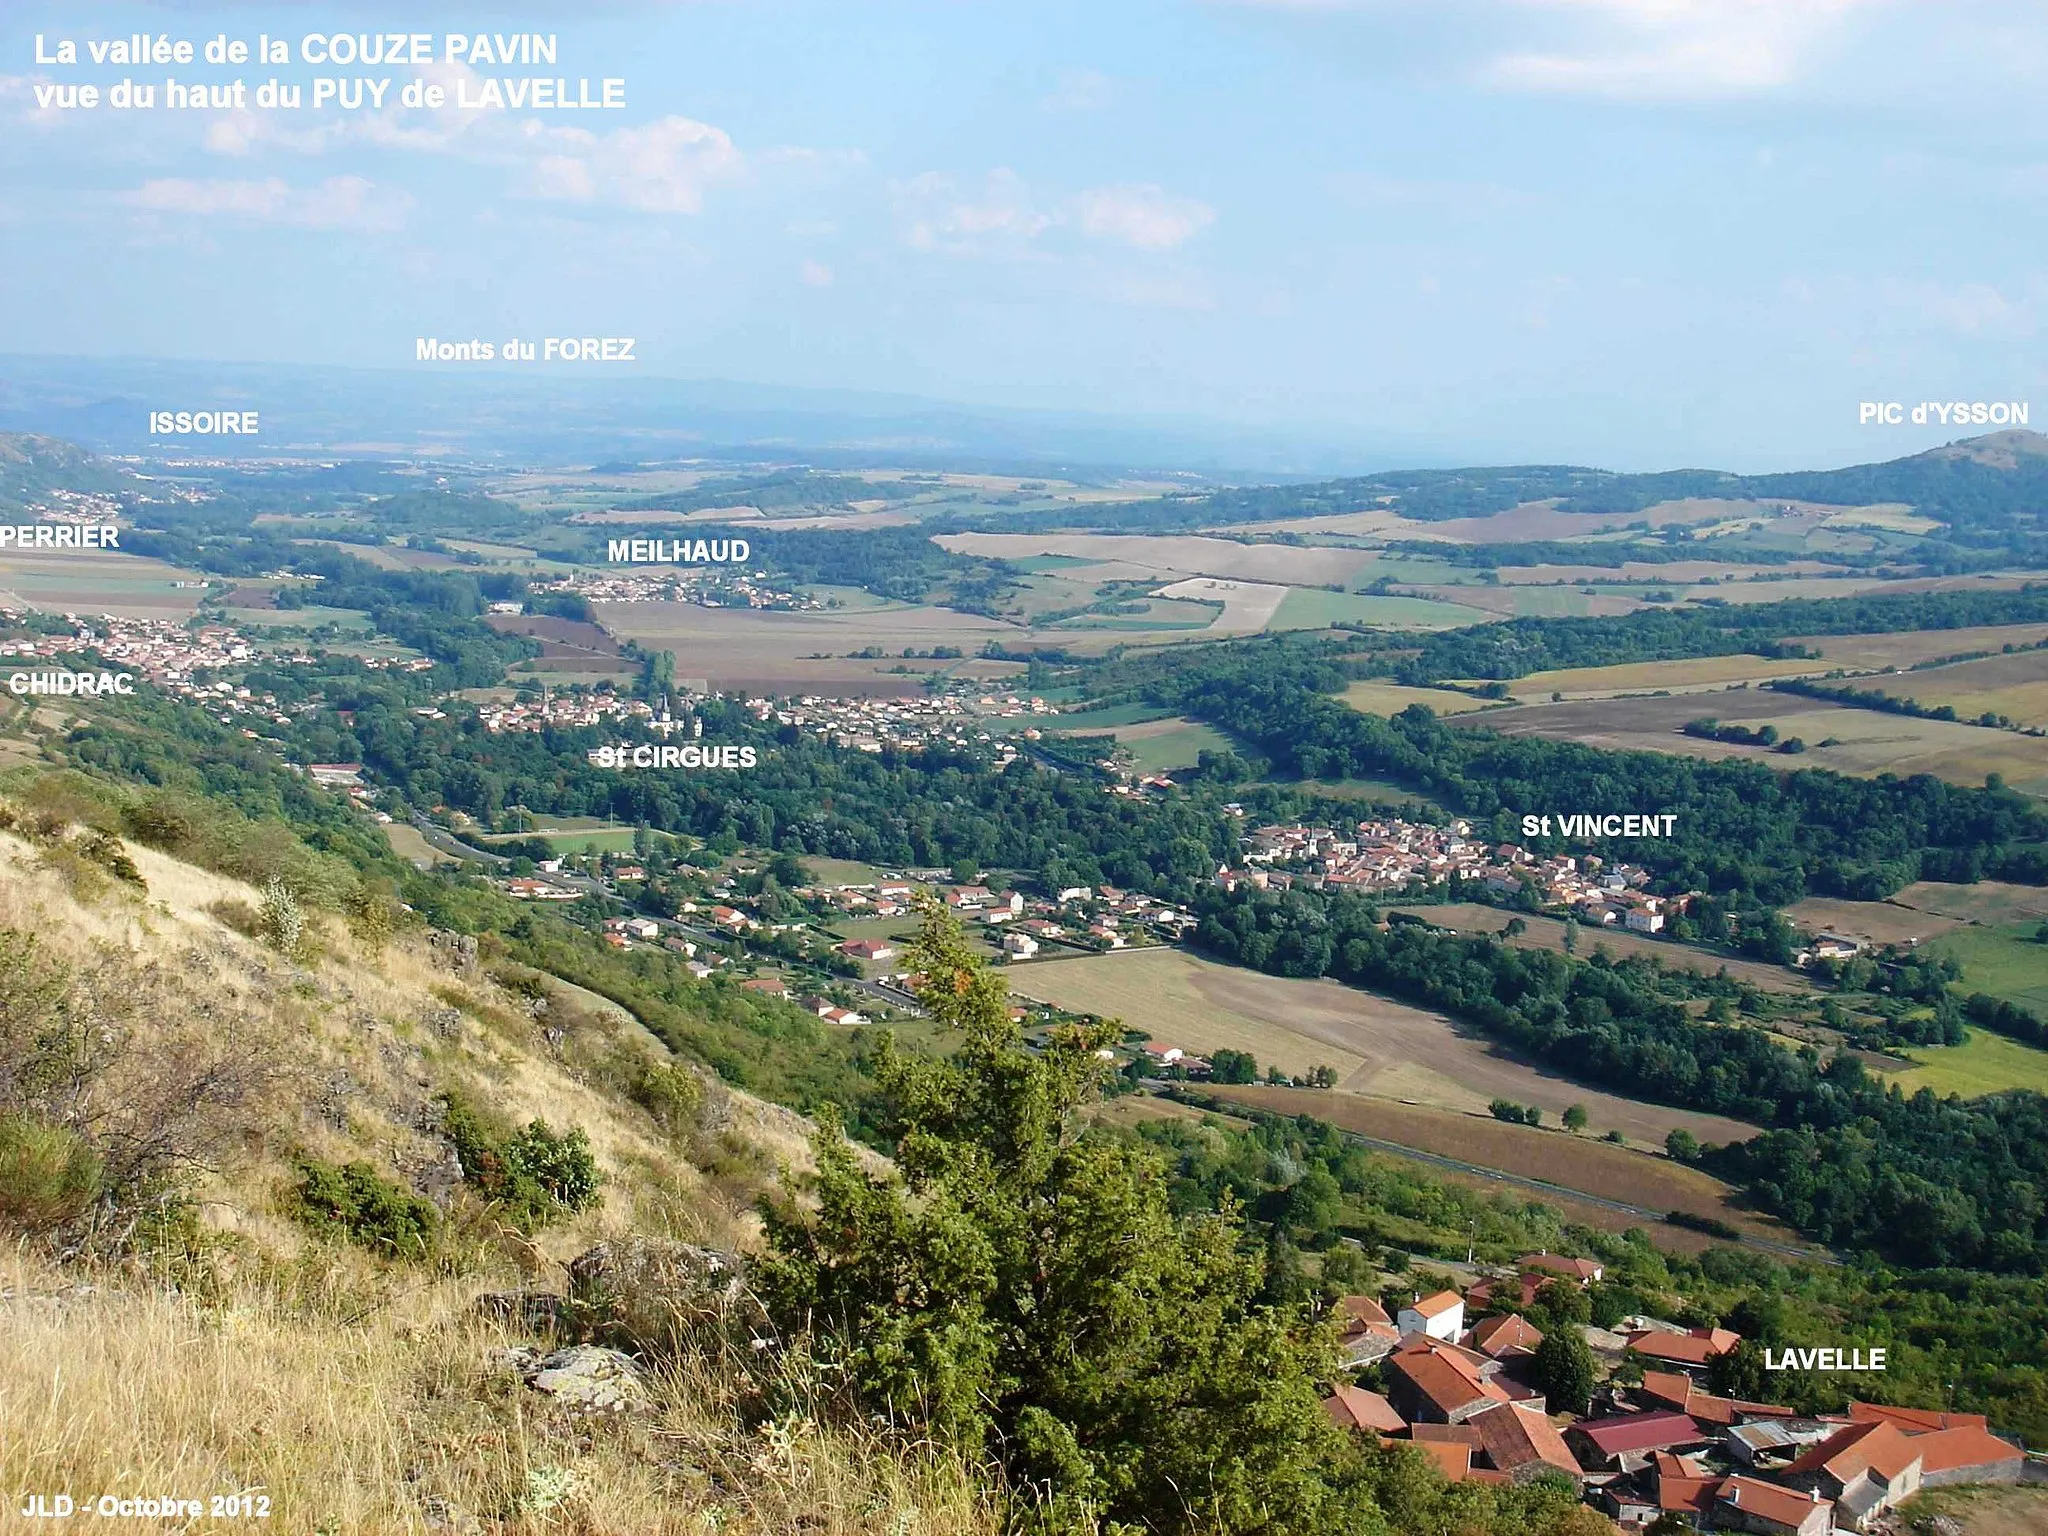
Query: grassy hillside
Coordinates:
[187,1335]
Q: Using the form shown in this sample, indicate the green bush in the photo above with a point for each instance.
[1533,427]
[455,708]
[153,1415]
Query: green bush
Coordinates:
[48,1175]
[672,1094]
[356,1202]
[532,1174]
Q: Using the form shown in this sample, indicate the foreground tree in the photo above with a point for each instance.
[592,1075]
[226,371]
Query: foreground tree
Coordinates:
[1024,1289]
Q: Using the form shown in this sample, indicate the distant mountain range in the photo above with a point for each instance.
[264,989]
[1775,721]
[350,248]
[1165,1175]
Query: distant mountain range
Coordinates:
[487,412]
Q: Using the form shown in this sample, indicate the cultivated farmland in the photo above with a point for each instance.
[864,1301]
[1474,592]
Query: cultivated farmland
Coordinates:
[99,581]
[1879,922]
[1556,1157]
[1862,741]
[745,649]
[1174,555]
[2009,963]
[1870,653]
[1690,676]
[2015,686]
[1377,698]
[1377,1046]
[1989,901]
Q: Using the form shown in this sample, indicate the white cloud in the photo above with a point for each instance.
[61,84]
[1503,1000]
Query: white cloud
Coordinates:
[339,202]
[1007,216]
[663,167]
[1143,216]
[1683,49]
[1674,47]
[1080,90]
[1373,190]
[815,274]
[936,217]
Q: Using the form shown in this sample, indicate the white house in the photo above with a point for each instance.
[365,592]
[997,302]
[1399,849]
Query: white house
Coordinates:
[1020,945]
[1441,1316]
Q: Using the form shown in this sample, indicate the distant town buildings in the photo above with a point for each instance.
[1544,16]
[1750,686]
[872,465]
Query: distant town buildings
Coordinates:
[1395,855]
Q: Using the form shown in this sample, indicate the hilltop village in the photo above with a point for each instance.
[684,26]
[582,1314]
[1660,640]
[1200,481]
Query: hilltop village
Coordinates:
[1467,1378]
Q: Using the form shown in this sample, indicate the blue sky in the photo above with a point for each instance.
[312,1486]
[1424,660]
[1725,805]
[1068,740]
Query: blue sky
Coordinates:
[1639,233]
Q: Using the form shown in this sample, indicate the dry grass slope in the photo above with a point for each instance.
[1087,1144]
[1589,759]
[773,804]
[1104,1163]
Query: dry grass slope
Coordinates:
[360,1395]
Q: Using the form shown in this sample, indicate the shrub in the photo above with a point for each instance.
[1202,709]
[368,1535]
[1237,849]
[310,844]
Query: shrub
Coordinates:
[355,1202]
[672,1094]
[105,850]
[533,1175]
[48,1175]
[280,920]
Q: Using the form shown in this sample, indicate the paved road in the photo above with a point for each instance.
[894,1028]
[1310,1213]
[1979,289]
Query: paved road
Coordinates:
[454,847]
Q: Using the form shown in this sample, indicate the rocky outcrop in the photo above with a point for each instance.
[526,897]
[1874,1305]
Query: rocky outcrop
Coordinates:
[658,1295]
[583,1377]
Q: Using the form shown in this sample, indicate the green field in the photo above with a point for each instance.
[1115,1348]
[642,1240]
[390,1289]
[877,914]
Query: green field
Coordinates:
[1984,1063]
[825,871]
[1158,613]
[1551,603]
[1312,608]
[2005,962]
[1036,565]
[1136,713]
[606,838]
[1177,748]
[307,618]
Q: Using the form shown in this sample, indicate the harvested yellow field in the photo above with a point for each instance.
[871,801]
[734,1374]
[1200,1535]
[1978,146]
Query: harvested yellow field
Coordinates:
[1391,698]
[2015,686]
[1689,676]
[1378,1046]
[1837,736]
[1880,922]
[1893,517]
[1865,653]
[1248,606]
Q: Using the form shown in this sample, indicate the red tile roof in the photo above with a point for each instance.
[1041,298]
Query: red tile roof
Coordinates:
[1437,1305]
[1356,1408]
[1694,1348]
[1673,1387]
[1582,1270]
[1783,1505]
[1695,1494]
[1361,1309]
[1914,1420]
[1874,1443]
[1654,1431]
[1452,1458]
[1497,1335]
[1677,1390]
[1448,1434]
[1518,1437]
[1445,1382]
[1945,1450]
[1669,1464]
